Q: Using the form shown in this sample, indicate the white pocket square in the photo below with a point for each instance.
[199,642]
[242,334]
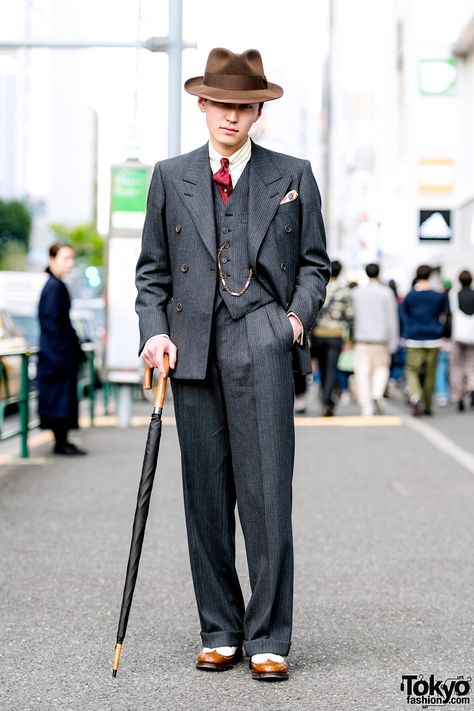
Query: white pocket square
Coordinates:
[289,197]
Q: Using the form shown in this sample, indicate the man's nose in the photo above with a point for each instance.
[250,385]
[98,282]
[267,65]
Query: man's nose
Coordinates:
[232,115]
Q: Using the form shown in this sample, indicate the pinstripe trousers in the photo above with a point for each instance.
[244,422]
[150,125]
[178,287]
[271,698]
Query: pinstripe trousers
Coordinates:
[236,436]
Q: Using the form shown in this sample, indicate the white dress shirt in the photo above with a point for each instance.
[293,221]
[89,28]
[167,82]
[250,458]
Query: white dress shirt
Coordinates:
[237,161]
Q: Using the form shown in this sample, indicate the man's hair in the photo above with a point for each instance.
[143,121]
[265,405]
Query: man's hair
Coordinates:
[423,272]
[372,270]
[465,278]
[336,268]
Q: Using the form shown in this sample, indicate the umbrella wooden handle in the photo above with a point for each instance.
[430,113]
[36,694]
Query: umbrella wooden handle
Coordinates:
[148,378]
[162,381]
[161,389]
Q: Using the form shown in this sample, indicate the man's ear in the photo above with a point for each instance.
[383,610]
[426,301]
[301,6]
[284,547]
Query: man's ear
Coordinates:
[257,116]
[202,104]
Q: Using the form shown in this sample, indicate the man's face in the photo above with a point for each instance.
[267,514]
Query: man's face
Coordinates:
[228,124]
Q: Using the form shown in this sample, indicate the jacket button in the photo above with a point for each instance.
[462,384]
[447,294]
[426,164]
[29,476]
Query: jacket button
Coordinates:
[283,267]
[178,228]
[287,228]
[179,307]
[184,267]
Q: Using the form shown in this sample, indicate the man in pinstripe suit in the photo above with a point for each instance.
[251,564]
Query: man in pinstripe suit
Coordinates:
[231,276]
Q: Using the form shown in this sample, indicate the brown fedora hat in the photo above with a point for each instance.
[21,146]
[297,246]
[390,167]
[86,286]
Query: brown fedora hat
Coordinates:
[234,78]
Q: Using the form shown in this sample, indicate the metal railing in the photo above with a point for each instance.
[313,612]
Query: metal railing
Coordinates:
[86,388]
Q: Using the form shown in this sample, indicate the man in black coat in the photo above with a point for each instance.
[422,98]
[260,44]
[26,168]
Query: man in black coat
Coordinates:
[60,354]
[230,279]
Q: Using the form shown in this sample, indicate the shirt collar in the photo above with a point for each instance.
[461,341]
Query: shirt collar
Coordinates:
[240,156]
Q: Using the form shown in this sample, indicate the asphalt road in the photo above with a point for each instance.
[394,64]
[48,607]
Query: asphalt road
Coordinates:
[383,520]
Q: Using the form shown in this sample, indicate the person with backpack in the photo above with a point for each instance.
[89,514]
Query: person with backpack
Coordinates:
[334,324]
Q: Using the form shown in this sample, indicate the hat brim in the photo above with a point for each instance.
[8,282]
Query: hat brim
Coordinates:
[196,87]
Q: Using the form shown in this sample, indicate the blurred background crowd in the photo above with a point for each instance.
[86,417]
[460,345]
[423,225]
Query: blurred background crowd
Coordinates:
[378,95]
[370,343]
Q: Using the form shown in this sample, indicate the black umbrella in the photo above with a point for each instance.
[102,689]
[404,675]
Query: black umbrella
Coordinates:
[143,504]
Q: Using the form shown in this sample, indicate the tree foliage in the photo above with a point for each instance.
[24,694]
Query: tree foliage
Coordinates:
[15,223]
[85,240]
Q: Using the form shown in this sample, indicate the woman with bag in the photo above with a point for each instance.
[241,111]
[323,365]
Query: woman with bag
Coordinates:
[462,354]
[60,354]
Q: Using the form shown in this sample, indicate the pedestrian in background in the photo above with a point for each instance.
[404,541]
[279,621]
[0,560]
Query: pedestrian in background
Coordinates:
[462,351]
[376,335]
[59,355]
[424,315]
[333,326]
[442,368]
[397,365]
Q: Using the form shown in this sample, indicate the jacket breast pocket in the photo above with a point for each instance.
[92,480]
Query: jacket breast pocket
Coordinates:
[288,206]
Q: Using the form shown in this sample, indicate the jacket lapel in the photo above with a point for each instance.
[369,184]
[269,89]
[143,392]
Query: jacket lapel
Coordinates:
[195,189]
[267,186]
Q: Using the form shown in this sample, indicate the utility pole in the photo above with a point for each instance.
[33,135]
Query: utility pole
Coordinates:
[175,52]
[327,116]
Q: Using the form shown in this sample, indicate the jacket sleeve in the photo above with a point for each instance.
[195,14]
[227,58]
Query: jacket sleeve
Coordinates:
[153,277]
[314,270]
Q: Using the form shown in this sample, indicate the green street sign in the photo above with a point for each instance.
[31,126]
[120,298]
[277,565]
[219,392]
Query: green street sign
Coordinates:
[129,189]
[128,195]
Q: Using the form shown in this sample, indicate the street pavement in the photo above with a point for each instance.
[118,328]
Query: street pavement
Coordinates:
[383,522]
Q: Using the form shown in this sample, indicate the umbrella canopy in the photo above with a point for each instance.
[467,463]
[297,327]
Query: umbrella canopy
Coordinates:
[143,504]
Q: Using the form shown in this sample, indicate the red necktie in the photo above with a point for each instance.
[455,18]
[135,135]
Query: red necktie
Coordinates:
[223,180]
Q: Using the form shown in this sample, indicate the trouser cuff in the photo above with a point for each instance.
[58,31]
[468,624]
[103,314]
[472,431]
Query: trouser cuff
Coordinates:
[224,638]
[266,644]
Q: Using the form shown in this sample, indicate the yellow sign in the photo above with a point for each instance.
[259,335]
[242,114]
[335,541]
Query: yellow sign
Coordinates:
[436,175]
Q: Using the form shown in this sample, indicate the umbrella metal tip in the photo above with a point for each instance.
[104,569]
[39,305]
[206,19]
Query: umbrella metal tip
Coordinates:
[118,649]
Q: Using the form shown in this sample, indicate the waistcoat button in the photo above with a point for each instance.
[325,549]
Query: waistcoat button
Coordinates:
[184,267]
[287,228]
[179,307]
[283,267]
[227,245]
[178,228]
[224,260]
[225,230]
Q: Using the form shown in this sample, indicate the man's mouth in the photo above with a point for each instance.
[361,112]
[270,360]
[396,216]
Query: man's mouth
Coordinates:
[228,128]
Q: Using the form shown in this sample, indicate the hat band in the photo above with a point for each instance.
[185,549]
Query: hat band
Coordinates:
[236,82]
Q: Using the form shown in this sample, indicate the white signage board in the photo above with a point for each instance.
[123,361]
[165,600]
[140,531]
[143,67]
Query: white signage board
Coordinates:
[122,363]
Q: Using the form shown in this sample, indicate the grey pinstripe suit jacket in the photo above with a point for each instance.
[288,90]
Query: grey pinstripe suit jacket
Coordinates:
[176,270]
